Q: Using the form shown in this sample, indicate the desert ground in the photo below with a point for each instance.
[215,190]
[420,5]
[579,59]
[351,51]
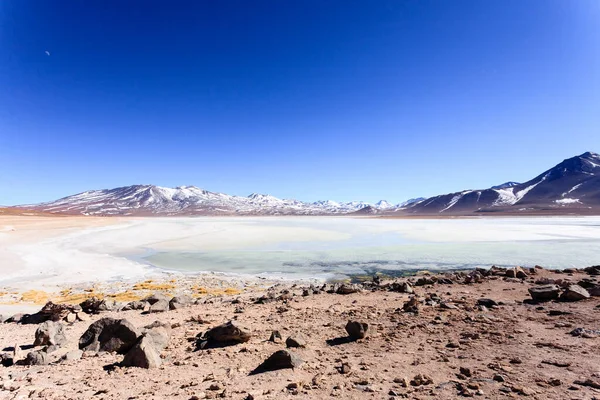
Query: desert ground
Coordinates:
[446,335]
[484,338]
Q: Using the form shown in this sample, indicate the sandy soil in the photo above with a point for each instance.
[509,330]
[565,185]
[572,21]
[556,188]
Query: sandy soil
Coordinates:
[513,350]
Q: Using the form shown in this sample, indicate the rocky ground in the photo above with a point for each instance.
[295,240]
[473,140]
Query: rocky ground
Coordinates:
[477,334]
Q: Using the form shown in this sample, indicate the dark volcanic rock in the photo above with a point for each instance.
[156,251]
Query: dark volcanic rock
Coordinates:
[357,330]
[110,335]
[489,303]
[275,337]
[544,292]
[225,334]
[279,360]
[96,305]
[295,341]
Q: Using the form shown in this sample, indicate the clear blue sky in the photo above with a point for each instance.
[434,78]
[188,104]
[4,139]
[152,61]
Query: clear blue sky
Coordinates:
[343,100]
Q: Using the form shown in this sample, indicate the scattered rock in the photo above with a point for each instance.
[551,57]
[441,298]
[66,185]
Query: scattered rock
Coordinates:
[160,334]
[586,333]
[182,301]
[412,305]
[348,289]
[50,312]
[275,337]
[357,330]
[401,287]
[38,357]
[159,306]
[279,360]
[144,354]
[574,293]
[95,305]
[50,333]
[110,335]
[228,333]
[489,303]
[421,379]
[135,305]
[295,341]
[544,292]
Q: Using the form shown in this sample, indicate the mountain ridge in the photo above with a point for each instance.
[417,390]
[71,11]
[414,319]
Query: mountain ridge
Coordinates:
[572,186]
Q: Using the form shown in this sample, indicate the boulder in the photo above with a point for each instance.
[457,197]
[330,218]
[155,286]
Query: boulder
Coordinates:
[295,341]
[6,360]
[425,280]
[401,287]
[159,306]
[516,272]
[279,360]
[144,354]
[50,312]
[347,289]
[50,333]
[182,301]
[16,318]
[594,291]
[228,333]
[357,330]
[489,303]
[110,335]
[38,357]
[135,305]
[544,292]
[574,293]
[156,297]
[160,334]
[95,305]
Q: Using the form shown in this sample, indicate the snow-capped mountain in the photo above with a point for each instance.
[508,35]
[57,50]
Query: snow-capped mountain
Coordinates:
[505,185]
[573,185]
[190,200]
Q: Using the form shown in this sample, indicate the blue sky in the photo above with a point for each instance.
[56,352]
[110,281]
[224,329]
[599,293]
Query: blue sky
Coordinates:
[343,100]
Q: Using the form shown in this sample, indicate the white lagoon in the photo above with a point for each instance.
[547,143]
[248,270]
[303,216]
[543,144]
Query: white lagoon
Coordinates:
[301,247]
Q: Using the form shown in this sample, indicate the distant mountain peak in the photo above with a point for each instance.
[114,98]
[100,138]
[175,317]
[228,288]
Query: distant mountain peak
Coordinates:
[505,185]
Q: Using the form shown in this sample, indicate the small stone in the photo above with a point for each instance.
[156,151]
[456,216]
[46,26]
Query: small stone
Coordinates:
[295,341]
[279,360]
[357,330]
[275,337]
[70,318]
[421,379]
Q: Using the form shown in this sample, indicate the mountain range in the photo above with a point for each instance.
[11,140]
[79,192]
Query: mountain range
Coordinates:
[572,186]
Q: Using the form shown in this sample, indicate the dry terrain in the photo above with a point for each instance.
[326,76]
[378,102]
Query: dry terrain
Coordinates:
[460,346]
